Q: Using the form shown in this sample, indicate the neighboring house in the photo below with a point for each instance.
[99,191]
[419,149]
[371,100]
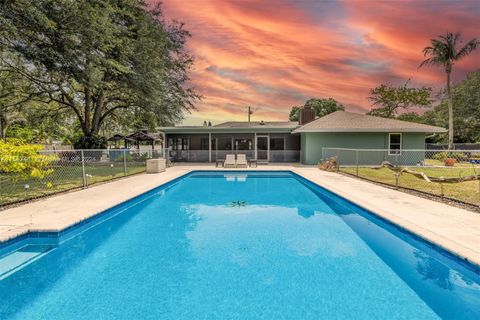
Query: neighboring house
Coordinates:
[296,142]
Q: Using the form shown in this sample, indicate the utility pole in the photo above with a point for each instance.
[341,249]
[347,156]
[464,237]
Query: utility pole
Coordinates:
[250,112]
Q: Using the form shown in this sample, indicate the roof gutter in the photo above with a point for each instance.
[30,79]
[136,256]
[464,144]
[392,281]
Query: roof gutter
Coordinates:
[387,130]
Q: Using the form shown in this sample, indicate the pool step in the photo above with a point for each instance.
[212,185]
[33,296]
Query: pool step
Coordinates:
[20,258]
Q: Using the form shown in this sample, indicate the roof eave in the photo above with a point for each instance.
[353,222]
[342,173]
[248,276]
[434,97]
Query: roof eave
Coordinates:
[226,130]
[382,130]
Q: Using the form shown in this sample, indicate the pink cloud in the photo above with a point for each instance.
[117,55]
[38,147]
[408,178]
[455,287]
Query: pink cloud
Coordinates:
[274,55]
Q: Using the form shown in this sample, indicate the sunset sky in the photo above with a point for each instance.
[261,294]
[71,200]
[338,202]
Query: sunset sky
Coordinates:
[276,54]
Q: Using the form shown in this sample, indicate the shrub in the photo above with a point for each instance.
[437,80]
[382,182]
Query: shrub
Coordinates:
[442,156]
[147,155]
[69,156]
[475,155]
[143,157]
[460,156]
[90,142]
[19,132]
[128,158]
[22,160]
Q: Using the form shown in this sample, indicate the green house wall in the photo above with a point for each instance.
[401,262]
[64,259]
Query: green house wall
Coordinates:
[313,142]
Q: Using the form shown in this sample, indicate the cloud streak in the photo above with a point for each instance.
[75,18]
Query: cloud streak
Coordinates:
[276,54]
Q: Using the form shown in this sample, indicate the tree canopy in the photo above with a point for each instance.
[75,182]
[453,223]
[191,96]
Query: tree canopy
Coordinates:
[466,98]
[103,60]
[444,51]
[13,93]
[322,107]
[389,100]
[466,106]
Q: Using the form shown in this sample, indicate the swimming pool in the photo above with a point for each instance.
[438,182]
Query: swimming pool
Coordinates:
[235,245]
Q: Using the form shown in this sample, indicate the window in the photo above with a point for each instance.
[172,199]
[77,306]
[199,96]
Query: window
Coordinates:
[243,144]
[182,144]
[394,143]
[177,143]
[223,143]
[204,144]
[214,144]
[277,144]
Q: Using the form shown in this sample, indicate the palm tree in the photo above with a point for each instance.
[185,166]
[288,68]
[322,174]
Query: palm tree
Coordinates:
[444,51]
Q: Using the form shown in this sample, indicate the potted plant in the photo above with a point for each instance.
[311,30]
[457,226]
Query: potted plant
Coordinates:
[449,162]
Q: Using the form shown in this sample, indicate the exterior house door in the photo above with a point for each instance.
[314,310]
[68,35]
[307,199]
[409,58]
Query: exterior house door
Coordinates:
[262,146]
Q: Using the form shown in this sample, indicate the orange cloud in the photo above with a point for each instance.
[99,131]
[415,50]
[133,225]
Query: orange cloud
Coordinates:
[273,55]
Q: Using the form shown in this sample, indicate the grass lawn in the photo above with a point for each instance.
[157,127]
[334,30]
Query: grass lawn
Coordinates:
[461,164]
[63,178]
[464,191]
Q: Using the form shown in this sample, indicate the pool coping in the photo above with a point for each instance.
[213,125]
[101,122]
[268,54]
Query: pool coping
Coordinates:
[28,233]
[464,261]
[444,245]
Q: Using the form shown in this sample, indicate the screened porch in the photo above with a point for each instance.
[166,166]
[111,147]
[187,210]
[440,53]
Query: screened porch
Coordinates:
[208,147]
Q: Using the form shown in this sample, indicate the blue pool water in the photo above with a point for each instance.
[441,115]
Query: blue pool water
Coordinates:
[237,246]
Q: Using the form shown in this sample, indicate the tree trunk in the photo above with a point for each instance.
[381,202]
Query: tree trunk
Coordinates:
[99,104]
[450,112]
[87,130]
[3,125]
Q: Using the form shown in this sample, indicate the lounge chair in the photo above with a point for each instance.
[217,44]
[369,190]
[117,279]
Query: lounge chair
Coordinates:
[229,161]
[242,160]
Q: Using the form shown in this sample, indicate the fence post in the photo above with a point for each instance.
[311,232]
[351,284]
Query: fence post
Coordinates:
[85,184]
[124,162]
[357,163]
[397,182]
[338,160]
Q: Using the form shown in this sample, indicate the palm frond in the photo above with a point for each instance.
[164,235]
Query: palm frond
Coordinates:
[427,50]
[443,50]
[467,48]
[432,61]
[451,39]
[425,62]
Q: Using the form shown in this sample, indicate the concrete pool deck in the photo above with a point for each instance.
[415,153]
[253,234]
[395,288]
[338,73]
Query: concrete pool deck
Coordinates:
[454,229]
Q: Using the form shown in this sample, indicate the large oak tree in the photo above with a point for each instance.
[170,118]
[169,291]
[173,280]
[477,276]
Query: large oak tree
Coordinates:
[322,107]
[99,58]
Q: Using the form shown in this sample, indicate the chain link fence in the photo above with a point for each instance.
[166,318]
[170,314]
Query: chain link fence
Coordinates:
[56,171]
[450,174]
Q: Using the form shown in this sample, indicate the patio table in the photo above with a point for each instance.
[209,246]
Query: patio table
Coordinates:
[219,162]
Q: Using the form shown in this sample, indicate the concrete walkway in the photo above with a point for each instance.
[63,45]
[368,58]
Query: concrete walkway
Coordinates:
[452,228]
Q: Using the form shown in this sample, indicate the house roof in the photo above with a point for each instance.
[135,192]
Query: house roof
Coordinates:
[236,126]
[258,124]
[342,121]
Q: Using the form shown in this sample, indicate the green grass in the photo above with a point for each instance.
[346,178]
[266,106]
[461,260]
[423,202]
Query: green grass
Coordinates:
[462,164]
[464,191]
[12,189]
